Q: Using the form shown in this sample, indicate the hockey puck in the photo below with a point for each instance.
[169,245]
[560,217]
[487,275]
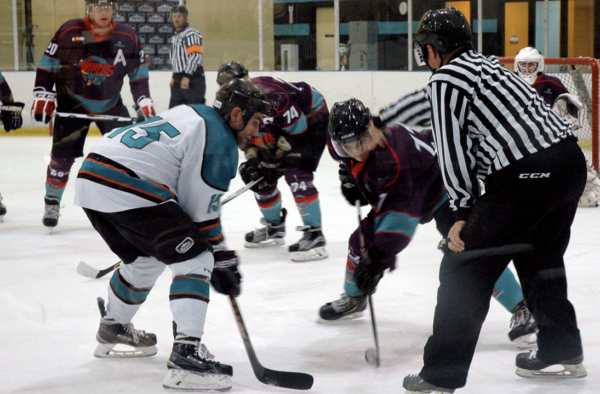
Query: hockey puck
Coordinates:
[371,356]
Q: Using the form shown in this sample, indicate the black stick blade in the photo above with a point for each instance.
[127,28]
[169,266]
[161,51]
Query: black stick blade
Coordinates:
[288,380]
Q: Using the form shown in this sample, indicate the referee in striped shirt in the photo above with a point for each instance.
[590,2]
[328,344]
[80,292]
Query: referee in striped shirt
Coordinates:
[491,125]
[188,84]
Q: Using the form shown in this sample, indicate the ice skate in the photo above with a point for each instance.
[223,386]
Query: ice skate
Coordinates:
[414,384]
[310,247]
[529,366]
[270,235]
[51,213]
[523,328]
[346,308]
[128,341]
[2,210]
[192,368]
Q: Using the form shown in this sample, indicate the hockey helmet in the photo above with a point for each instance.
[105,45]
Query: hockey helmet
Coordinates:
[445,30]
[239,92]
[179,9]
[233,69]
[348,123]
[529,63]
[91,5]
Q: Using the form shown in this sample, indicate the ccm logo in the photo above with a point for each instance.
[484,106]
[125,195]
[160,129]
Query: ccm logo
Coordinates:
[534,175]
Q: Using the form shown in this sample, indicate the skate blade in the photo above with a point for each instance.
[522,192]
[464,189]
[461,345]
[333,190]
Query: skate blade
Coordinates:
[351,316]
[558,371]
[309,255]
[179,379]
[266,244]
[432,392]
[526,342]
[107,350]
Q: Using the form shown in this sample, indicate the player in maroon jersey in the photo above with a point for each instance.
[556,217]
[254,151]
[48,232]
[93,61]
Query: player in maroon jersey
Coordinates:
[82,72]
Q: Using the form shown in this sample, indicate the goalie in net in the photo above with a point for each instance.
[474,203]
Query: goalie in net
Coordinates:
[529,65]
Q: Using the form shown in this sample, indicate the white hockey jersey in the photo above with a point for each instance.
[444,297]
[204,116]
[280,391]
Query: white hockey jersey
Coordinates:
[187,154]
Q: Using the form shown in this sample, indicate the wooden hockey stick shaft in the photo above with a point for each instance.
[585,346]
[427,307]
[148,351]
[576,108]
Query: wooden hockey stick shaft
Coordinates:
[87,270]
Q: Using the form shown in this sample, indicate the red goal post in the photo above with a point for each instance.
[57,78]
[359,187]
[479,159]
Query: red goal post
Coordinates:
[580,77]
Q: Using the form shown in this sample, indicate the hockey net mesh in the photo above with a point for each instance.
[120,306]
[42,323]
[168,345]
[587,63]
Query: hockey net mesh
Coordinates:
[580,77]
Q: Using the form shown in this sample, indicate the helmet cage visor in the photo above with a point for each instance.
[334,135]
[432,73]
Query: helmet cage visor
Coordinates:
[100,6]
[352,146]
[528,67]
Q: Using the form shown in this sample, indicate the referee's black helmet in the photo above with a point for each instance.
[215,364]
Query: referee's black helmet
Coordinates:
[445,30]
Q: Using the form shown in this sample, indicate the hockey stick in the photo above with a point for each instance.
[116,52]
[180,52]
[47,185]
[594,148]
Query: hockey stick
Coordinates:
[87,270]
[96,117]
[371,354]
[288,380]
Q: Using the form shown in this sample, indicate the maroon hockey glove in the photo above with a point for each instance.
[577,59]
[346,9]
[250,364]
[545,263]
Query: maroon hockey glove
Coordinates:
[225,278]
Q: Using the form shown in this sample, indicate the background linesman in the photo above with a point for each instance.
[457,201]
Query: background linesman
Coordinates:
[188,84]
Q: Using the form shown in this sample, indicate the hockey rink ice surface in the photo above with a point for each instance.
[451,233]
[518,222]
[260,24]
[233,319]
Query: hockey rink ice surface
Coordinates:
[49,317]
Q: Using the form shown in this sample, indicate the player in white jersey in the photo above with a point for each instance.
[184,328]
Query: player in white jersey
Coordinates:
[152,191]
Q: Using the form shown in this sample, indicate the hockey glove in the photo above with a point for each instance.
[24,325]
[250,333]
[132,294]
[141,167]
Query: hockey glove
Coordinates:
[225,278]
[44,104]
[11,116]
[349,189]
[369,272]
[255,168]
[145,108]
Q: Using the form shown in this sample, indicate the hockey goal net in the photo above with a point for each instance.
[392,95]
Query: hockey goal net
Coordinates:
[580,77]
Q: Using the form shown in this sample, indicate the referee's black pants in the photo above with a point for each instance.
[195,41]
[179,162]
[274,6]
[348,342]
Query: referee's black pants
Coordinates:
[193,95]
[532,201]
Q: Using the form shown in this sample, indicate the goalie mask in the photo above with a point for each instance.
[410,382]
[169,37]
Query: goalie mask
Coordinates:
[569,107]
[239,92]
[529,63]
[349,127]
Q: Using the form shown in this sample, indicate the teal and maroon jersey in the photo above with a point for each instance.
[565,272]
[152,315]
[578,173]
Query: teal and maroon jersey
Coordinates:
[403,184]
[549,88]
[88,71]
[5,91]
[296,108]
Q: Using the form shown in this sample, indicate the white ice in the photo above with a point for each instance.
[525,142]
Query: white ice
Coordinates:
[49,318]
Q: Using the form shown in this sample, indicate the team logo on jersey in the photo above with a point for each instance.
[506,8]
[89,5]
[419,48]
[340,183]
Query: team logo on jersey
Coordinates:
[95,70]
[78,39]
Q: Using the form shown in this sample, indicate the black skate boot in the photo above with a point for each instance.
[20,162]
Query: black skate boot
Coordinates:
[346,308]
[523,328]
[130,342]
[52,212]
[192,367]
[415,384]
[2,210]
[273,234]
[529,366]
[310,247]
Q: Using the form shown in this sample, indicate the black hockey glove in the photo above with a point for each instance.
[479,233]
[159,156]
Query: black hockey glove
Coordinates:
[349,189]
[11,116]
[225,278]
[266,166]
[369,272]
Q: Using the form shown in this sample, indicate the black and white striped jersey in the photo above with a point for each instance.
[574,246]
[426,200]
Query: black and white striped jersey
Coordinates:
[485,118]
[413,110]
[186,51]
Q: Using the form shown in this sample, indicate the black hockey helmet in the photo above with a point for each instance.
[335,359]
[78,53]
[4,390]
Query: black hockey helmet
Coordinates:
[91,4]
[239,92]
[445,30]
[179,9]
[233,69]
[348,122]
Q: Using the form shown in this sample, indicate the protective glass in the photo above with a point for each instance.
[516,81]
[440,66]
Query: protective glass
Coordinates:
[354,147]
